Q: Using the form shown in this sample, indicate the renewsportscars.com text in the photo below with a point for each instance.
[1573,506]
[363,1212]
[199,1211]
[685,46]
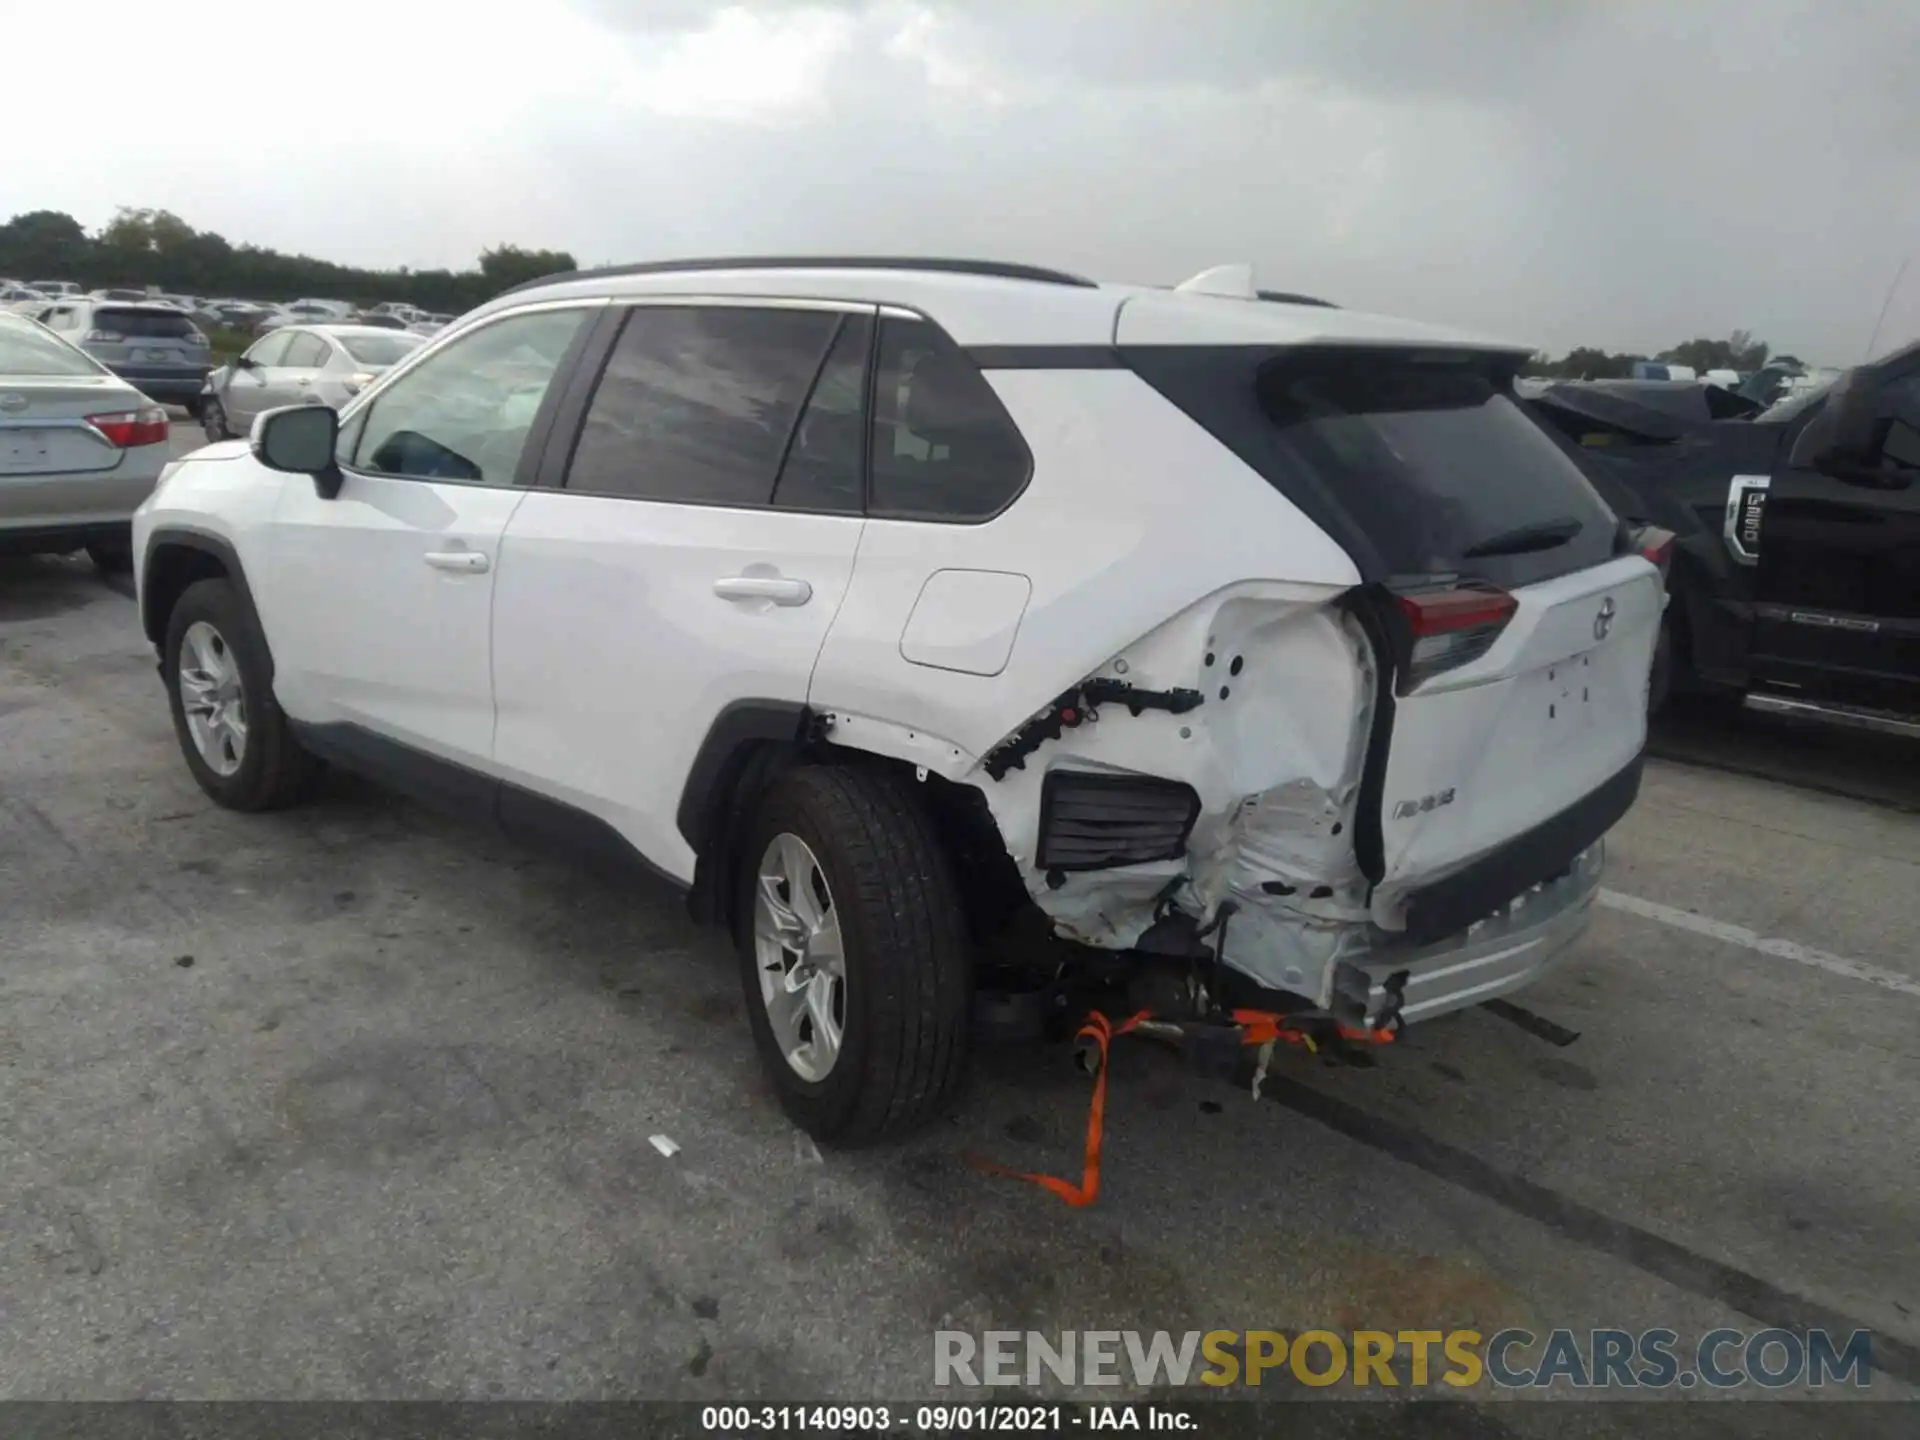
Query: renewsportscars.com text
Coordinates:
[1655,1359]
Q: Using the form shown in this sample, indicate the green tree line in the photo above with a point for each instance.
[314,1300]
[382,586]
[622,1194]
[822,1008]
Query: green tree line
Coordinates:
[156,247]
[1739,351]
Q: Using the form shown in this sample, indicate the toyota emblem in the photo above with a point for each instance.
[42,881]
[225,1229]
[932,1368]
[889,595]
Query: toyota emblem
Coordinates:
[1603,622]
[13,400]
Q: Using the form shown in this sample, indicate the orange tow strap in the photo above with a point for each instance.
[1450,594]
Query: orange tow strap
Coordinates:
[1258,1027]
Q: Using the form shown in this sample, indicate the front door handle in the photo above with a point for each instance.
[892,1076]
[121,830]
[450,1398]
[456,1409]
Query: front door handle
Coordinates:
[461,562]
[778,589]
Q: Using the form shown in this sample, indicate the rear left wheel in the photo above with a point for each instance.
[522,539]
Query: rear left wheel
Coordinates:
[853,953]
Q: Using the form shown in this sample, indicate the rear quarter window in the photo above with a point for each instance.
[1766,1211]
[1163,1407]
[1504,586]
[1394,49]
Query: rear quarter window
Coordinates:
[944,447]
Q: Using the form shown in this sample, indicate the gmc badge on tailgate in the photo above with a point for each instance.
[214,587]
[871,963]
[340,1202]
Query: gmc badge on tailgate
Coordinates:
[1746,505]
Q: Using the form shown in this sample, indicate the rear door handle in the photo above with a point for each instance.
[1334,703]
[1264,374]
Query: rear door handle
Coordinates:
[461,562]
[778,589]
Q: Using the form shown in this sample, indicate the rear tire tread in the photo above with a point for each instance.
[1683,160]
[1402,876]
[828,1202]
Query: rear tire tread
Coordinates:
[900,911]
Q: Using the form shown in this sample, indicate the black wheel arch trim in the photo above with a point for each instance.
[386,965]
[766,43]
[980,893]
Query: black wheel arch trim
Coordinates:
[185,537]
[703,797]
[448,786]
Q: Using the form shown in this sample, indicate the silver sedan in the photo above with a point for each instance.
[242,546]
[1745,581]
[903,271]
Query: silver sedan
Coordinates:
[299,365]
[80,448]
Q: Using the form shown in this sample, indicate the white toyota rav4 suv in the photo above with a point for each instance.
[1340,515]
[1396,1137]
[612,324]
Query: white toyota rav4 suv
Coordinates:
[806,582]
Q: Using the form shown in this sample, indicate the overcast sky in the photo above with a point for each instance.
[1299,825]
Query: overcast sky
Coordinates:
[1627,173]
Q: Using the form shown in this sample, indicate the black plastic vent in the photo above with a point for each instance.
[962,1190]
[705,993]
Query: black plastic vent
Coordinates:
[1091,822]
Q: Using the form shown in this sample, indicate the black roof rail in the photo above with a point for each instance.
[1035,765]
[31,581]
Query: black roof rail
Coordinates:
[1283,298]
[999,269]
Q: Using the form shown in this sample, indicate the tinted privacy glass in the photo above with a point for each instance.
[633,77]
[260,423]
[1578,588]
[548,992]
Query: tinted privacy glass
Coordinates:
[26,351]
[465,413]
[1417,467]
[696,405]
[144,324]
[822,471]
[944,447]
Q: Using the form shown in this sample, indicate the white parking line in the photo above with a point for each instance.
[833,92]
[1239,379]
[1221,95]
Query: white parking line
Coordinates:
[1753,940]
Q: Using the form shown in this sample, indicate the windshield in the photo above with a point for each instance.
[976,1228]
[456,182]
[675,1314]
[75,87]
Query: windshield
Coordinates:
[379,351]
[26,350]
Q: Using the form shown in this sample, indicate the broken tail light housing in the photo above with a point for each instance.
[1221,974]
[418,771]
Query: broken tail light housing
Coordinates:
[1656,545]
[125,429]
[1448,628]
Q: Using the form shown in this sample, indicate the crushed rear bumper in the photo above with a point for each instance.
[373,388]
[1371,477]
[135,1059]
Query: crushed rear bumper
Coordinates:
[1503,952]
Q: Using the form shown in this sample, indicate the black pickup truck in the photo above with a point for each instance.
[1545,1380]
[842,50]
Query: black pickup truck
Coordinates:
[1795,573]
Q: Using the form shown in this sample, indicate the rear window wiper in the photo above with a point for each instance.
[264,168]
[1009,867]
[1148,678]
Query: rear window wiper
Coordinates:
[1525,539]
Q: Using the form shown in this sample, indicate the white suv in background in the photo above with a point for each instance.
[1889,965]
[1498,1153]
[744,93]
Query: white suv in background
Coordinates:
[806,582]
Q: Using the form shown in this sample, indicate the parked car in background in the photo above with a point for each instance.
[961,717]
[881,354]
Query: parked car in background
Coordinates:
[1795,577]
[79,448]
[815,573]
[378,320]
[21,299]
[430,324]
[152,346]
[300,312]
[125,294]
[54,289]
[296,365]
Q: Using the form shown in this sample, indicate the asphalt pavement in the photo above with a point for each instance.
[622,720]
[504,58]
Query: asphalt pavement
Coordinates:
[353,1102]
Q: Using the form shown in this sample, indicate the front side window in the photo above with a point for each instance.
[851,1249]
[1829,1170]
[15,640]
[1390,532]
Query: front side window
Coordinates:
[944,447]
[465,413]
[270,350]
[305,352]
[696,404]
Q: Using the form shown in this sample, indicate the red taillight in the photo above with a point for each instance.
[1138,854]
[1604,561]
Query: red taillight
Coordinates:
[1655,544]
[1449,628]
[127,428]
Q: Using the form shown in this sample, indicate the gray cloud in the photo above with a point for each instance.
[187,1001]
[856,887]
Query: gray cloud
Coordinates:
[1626,173]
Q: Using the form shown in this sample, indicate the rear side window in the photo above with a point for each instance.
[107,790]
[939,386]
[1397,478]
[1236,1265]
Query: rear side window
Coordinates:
[696,404]
[1419,464]
[944,448]
[27,351]
[143,324]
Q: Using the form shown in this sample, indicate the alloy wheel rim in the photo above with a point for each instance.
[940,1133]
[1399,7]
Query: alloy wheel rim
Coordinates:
[215,421]
[213,698]
[800,957]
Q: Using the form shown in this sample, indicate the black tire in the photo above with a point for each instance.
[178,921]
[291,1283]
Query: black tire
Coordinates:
[213,420]
[111,557]
[274,771]
[908,963]
[1660,679]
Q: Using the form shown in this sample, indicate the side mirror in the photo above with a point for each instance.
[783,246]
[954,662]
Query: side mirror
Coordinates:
[300,440]
[1844,440]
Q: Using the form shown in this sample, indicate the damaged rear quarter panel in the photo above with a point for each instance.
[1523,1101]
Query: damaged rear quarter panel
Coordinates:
[1144,539]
